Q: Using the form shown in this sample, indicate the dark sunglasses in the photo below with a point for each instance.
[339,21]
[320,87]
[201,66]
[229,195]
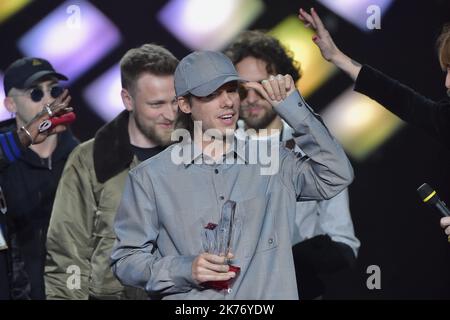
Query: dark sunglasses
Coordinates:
[37,94]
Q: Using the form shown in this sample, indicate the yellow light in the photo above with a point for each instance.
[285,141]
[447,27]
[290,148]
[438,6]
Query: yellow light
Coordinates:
[359,123]
[9,7]
[297,38]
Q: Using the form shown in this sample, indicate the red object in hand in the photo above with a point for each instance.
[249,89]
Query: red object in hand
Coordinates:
[56,121]
[223,285]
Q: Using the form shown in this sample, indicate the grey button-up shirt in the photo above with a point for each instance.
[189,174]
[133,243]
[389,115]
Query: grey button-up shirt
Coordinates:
[331,217]
[166,205]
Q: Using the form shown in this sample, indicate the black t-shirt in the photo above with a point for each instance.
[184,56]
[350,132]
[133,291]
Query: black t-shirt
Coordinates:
[146,153]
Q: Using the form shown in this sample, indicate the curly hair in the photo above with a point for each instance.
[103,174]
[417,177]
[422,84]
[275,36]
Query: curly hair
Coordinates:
[443,44]
[262,46]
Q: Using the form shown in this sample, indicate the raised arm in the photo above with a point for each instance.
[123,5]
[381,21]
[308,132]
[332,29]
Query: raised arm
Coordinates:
[328,48]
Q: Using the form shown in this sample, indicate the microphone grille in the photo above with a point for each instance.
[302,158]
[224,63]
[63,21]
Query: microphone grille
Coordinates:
[427,194]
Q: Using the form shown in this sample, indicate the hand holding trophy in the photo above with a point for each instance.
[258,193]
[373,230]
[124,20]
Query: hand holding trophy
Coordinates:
[217,239]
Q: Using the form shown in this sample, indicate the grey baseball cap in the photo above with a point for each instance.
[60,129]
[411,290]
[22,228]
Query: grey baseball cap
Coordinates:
[202,72]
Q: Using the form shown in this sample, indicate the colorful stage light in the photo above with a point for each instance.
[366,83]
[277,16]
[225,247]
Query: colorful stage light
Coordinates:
[10,7]
[315,70]
[103,95]
[73,37]
[358,12]
[4,114]
[208,24]
[359,123]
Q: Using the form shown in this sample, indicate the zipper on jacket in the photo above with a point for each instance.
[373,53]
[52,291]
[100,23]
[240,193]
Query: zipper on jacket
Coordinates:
[47,162]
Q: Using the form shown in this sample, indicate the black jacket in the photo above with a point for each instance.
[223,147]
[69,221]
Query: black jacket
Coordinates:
[431,116]
[10,148]
[29,185]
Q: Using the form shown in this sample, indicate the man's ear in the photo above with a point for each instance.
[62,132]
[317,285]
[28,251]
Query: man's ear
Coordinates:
[10,105]
[126,99]
[184,105]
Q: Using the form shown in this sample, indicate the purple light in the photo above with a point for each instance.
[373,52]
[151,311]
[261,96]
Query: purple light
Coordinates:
[4,114]
[103,95]
[208,24]
[356,11]
[73,37]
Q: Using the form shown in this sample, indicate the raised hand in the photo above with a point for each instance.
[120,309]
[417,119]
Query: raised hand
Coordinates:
[322,39]
[30,133]
[328,49]
[275,89]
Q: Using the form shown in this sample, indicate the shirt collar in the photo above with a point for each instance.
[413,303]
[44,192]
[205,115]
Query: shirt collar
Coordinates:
[235,151]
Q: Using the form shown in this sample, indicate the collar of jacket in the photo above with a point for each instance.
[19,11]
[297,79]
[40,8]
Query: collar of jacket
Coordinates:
[66,143]
[112,148]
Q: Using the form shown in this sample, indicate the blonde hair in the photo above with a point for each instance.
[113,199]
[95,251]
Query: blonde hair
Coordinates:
[149,58]
[443,44]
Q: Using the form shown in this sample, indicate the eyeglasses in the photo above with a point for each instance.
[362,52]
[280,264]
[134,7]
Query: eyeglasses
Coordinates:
[37,94]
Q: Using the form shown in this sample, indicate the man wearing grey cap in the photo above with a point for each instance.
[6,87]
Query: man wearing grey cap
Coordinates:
[29,182]
[164,210]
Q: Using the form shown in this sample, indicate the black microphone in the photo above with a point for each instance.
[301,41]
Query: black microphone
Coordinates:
[429,196]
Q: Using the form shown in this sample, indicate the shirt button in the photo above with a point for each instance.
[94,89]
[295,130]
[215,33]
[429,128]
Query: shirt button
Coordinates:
[270,241]
[216,171]
[221,197]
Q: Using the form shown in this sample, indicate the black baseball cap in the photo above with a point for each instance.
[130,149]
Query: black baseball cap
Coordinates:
[23,73]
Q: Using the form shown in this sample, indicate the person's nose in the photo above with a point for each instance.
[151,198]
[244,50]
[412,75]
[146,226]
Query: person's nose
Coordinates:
[251,97]
[47,98]
[170,111]
[226,98]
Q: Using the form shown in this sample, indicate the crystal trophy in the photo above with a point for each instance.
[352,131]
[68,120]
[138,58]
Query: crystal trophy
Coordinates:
[217,239]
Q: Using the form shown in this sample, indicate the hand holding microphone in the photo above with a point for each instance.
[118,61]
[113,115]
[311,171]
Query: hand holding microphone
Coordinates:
[429,196]
[445,223]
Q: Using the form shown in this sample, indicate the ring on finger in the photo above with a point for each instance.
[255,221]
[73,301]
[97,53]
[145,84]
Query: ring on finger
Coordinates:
[48,110]
[280,77]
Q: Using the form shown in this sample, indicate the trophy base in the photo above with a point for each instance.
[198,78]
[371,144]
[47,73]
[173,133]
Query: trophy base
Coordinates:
[223,285]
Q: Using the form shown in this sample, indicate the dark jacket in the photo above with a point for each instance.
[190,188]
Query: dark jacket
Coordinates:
[29,185]
[431,116]
[10,148]
[4,263]
[81,235]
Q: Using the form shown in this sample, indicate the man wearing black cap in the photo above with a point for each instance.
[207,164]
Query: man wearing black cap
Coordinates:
[29,183]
